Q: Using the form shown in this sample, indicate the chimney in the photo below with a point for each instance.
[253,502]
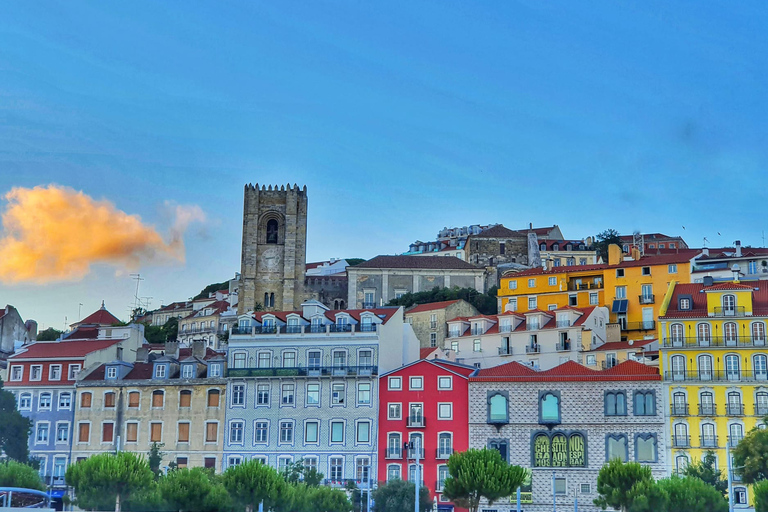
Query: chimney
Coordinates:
[172,349]
[705,251]
[198,349]
[738,248]
[549,263]
[635,253]
[142,353]
[736,270]
[614,254]
[709,280]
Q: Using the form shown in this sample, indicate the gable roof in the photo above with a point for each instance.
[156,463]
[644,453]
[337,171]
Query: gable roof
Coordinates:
[499,231]
[456,368]
[430,306]
[569,371]
[99,317]
[622,345]
[61,349]
[696,292]
[416,262]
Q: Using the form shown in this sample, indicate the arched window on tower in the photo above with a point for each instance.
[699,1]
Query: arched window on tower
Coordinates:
[272,231]
[266,299]
[271,300]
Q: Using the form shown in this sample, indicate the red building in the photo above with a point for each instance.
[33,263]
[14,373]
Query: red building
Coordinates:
[425,402]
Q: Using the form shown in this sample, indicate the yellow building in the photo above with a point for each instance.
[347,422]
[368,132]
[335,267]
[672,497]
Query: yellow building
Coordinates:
[578,286]
[714,361]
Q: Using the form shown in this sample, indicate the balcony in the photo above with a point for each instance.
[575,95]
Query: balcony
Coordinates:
[505,351]
[716,376]
[647,299]
[304,371]
[734,409]
[55,481]
[681,441]
[563,323]
[412,452]
[505,328]
[443,453]
[576,287]
[713,341]
[729,311]
[417,421]
[709,442]
[707,410]
[340,328]
[369,305]
[679,410]
[563,346]
[439,485]
[645,325]
[393,453]
[533,350]
[367,327]
[761,410]
[454,334]
[733,441]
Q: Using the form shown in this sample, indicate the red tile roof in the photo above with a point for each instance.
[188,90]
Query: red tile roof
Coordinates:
[499,231]
[551,323]
[431,306]
[699,306]
[143,370]
[417,262]
[682,256]
[100,317]
[424,352]
[568,372]
[557,270]
[622,345]
[82,333]
[61,349]
[727,286]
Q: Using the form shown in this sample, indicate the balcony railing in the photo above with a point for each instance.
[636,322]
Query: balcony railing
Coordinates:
[679,409]
[411,453]
[298,329]
[717,376]
[439,485]
[505,328]
[730,311]
[303,371]
[340,328]
[454,334]
[761,410]
[645,325]
[369,305]
[681,441]
[533,350]
[393,453]
[713,341]
[415,422]
[647,299]
[709,442]
[563,346]
[733,441]
[734,409]
[505,351]
[443,453]
[563,323]
[585,286]
[707,409]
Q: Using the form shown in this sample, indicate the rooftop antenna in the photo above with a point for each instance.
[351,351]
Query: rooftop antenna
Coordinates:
[79,308]
[638,241]
[138,279]
[705,241]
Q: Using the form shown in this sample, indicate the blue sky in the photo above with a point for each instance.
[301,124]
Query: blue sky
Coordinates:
[400,117]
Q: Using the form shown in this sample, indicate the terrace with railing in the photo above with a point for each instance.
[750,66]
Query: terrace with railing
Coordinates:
[254,330]
[305,371]
[713,341]
[716,376]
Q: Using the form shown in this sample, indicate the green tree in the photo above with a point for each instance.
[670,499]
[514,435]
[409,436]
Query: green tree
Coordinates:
[327,499]
[298,472]
[484,302]
[188,490]
[16,474]
[750,457]
[615,481]
[210,289]
[706,470]
[49,334]
[476,474]
[603,240]
[646,496]
[692,495]
[398,496]
[108,478]
[252,482]
[760,495]
[14,428]
[155,458]
[354,261]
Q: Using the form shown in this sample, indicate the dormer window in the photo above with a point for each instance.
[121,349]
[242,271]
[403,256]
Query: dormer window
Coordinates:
[188,371]
[160,371]
[729,304]
[111,372]
[533,323]
[555,247]
[366,323]
[685,304]
[214,370]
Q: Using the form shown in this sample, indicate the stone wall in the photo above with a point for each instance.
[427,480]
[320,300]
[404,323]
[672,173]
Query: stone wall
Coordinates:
[422,324]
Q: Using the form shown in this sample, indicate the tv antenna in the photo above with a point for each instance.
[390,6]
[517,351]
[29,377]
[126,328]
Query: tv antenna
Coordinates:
[136,300]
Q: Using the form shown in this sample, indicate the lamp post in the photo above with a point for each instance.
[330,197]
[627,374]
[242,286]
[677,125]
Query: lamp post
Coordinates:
[414,445]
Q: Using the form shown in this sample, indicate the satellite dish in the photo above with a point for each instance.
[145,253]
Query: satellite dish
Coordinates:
[631,342]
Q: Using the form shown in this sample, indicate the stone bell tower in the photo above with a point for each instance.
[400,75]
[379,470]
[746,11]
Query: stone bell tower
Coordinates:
[274,249]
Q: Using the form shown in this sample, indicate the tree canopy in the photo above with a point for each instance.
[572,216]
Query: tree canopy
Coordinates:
[16,474]
[14,428]
[49,334]
[196,489]
[484,302]
[252,482]
[706,470]
[615,482]
[398,496]
[750,457]
[689,494]
[480,473]
[760,496]
[213,287]
[603,240]
[160,334]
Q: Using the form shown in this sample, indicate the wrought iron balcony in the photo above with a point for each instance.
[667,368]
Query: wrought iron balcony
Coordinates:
[734,409]
[340,328]
[713,341]
[393,453]
[443,453]
[679,409]
[709,442]
[761,410]
[645,325]
[304,371]
[647,299]
[716,376]
[533,350]
[721,311]
[681,441]
[505,351]
[563,346]
[707,409]
[563,323]
[411,453]
[369,305]
[733,441]
[416,421]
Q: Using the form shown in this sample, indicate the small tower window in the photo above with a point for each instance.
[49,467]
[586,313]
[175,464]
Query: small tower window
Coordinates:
[272,231]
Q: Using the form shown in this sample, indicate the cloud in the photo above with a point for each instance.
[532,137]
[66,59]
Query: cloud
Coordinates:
[53,233]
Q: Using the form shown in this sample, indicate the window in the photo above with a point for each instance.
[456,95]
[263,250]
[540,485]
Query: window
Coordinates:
[573,300]
[54,372]
[262,394]
[234,460]
[552,281]
[395,383]
[85,400]
[36,372]
[311,430]
[365,358]
[444,383]
[729,304]
[313,394]
[62,433]
[498,410]
[287,394]
[238,394]
[531,302]
[593,299]
[338,392]
[455,346]
[272,231]
[758,332]
[155,432]
[17,372]
[645,403]
[336,465]
[265,360]
[289,359]
[561,486]
[619,272]
[672,267]
[432,339]
[84,433]
[42,433]
[211,432]
[188,371]
[337,432]
[416,383]
[621,292]
[44,401]
[549,407]
[393,472]
[133,399]
[213,397]
[395,412]
[65,400]
[511,306]
[214,370]
[532,283]
[645,448]
[616,447]
[25,401]
[73,370]
[261,430]
[364,393]
[685,303]
[476,347]
[158,398]
[512,284]
[646,271]
[591,360]
[759,366]
[236,432]
[445,411]
[286,432]
[160,371]
[615,403]
[363,432]
[109,400]
[183,432]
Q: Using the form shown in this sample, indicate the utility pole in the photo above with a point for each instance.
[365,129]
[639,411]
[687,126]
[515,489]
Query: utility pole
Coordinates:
[415,447]
[554,494]
[79,309]
[730,477]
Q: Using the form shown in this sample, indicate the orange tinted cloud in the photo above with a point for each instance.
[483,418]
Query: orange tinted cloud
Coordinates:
[55,233]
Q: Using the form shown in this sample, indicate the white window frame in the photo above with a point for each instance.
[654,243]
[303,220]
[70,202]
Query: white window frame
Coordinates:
[50,371]
[32,372]
[58,403]
[440,380]
[440,405]
[392,380]
[413,379]
[12,371]
[73,370]
[399,411]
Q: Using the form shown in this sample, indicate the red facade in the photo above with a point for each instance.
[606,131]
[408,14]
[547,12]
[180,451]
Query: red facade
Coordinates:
[425,401]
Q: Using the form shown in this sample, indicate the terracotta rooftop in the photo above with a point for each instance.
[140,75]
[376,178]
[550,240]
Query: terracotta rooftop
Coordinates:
[430,306]
[499,232]
[569,371]
[727,286]
[699,307]
[61,349]
[384,313]
[100,317]
[556,270]
[417,262]
[551,323]
[622,345]
[143,370]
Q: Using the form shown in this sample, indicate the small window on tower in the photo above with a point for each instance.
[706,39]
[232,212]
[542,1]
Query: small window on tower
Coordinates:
[272,231]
